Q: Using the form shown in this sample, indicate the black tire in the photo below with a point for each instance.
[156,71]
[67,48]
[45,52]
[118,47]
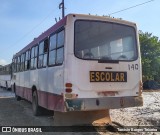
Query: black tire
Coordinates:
[6,85]
[18,98]
[35,107]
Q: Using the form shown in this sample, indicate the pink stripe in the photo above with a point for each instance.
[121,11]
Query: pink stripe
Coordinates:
[47,100]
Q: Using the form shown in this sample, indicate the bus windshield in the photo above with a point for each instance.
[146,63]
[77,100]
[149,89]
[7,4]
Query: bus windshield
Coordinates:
[97,40]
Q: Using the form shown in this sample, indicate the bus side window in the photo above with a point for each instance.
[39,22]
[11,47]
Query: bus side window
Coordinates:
[15,66]
[18,64]
[59,57]
[35,56]
[60,48]
[27,60]
[56,49]
[25,63]
[43,51]
[52,50]
[40,57]
[22,61]
[32,57]
[34,52]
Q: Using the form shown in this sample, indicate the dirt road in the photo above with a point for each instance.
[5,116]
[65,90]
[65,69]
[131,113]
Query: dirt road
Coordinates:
[19,113]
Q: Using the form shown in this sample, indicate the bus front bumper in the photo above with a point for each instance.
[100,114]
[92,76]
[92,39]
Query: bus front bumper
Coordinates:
[86,104]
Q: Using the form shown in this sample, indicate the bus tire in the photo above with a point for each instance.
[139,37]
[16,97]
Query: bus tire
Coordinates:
[18,98]
[35,107]
[6,85]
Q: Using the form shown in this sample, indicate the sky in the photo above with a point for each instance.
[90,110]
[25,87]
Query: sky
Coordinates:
[23,20]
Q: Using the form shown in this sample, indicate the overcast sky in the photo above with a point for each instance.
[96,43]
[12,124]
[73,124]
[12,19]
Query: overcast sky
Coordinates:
[23,20]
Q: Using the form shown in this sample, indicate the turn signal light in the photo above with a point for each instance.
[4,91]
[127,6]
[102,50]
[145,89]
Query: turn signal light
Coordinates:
[68,85]
[68,90]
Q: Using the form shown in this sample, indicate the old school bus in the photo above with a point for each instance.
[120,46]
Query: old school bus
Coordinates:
[82,63]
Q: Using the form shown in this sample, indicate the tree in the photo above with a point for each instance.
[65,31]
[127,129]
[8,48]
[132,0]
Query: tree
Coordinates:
[150,53]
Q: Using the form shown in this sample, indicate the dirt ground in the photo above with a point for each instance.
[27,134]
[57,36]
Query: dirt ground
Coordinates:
[147,115]
[14,113]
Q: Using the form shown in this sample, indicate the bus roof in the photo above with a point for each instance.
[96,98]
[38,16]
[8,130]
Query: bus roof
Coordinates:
[62,22]
[105,18]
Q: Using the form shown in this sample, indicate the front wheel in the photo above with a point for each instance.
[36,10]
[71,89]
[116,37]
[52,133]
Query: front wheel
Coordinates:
[36,108]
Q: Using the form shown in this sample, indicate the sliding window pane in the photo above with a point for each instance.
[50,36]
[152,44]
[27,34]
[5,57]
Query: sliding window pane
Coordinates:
[60,41]
[52,57]
[59,59]
[52,42]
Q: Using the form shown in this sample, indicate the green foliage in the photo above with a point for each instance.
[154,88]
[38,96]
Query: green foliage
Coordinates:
[150,53]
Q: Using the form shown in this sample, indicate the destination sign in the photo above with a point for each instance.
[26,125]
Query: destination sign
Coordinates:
[108,76]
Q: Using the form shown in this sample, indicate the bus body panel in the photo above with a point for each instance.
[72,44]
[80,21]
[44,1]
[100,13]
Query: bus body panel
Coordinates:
[78,73]
[51,79]
[56,80]
[80,77]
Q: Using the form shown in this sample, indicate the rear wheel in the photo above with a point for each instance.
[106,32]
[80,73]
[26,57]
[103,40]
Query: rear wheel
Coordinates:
[36,108]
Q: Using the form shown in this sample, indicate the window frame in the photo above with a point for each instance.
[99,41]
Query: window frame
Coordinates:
[56,48]
[14,65]
[135,39]
[34,57]
[27,59]
[44,53]
[22,62]
[18,63]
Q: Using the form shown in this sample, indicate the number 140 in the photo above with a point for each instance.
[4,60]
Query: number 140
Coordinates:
[133,67]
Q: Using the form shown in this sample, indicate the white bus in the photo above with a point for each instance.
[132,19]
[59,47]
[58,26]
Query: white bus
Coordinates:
[5,76]
[82,63]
